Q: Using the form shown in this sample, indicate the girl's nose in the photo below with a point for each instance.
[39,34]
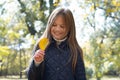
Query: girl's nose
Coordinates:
[58,27]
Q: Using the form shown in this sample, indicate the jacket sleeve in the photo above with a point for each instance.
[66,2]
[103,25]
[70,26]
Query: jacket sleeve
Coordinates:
[35,73]
[80,73]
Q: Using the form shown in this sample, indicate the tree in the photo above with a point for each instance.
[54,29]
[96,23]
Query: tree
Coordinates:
[109,31]
[18,31]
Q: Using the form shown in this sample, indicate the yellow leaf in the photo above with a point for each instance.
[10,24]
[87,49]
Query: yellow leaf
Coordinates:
[43,43]
[92,8]
[114,3]
[4,51]
[56,4]
[97,5]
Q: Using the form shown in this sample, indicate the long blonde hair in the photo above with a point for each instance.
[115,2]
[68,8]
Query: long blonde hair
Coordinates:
[72,42]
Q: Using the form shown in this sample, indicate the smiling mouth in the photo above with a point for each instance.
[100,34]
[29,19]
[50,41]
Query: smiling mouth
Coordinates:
[56,33]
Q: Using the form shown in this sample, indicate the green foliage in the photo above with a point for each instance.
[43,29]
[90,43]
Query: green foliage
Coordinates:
[102,49]
[34,11]
[4,51]
[18,32]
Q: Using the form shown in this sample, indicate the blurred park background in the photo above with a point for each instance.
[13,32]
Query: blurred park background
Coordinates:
[97,27]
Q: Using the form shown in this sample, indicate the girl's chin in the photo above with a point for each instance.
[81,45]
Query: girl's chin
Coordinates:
[57,38]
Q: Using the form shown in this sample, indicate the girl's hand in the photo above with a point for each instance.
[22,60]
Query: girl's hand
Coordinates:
[39,56]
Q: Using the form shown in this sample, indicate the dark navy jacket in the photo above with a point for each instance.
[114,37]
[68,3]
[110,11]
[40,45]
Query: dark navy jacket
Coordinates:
[56,65]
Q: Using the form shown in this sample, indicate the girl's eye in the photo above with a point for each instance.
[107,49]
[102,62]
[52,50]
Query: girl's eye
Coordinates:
[62,26]
[54,25]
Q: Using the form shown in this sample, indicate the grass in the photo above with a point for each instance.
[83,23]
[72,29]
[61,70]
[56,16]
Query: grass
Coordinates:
[24,78]
[107,78]
[12,78]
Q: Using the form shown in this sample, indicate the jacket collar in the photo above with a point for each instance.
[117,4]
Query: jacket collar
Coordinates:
[59,41]
[61,44]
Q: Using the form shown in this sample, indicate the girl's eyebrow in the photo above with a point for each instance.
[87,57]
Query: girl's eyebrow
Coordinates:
[58,24]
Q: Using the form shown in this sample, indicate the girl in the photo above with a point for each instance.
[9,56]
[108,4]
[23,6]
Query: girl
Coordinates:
[63,57]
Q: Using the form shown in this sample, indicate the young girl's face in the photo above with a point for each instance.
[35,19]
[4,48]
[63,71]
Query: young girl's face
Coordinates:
[59,29]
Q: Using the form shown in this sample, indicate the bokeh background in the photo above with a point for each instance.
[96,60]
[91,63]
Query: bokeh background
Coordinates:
[97,27]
